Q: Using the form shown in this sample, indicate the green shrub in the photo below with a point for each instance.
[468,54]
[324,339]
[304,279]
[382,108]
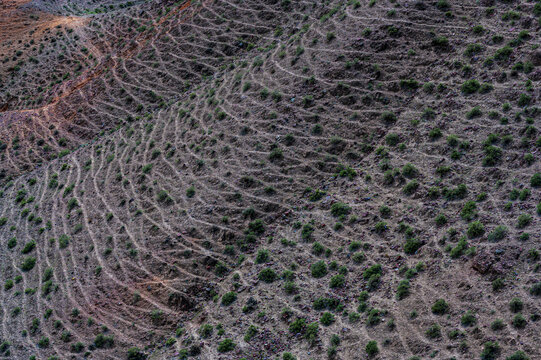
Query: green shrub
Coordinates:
[468,319]
[135,353]
[440,307]
[433,331]
[288,356]
[297,326]
[519,355]
[497,325]
[411,187]
[403,289]
[412,245]
[515,305]
[102,341]
[490,351]
[372,270]
[337,281]
[470,86]
[499,233]
[372,348]
[326,319]
[475,229]
[229,298]
[276,154]
[226,345]
[380,227]
[267,275]
[206,330]
[28,247]
[262,256]
[519,321]
[318,269]
[498,284]
[469,211]
[311,332]
[28,264]
[339,209]
[536,289]
[523,220]
[409,170]
[535,181]
[440,220]
[388,117]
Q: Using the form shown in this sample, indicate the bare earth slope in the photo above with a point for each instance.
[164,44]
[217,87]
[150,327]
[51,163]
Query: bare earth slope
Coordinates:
[270,179]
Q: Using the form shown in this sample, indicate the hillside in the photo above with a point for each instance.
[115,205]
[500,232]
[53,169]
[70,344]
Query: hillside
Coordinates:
[270,179]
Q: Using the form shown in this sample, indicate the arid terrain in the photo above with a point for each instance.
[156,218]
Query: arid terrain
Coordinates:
[271,179]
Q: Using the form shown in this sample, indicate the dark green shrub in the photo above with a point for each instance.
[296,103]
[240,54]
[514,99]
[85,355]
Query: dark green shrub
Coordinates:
[440,307]
[412,245]
[535,181]
[337,281]
[372,348]
[497,325]
[267,275]
[536,289]
[468,319]
[327,319]
[102,341]
[229,298]
[470,86]
[433,331]
[520,355]
[490,351]
[523,220]
[499,233]
[519,321]
[318,269]
[411,187]
[515,305]
[28,264]
[226,345]
[403,289]
[339,209]
[475,229]
[135,354]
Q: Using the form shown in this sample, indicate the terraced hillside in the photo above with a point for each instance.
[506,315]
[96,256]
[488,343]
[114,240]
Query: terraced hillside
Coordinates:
[270,179]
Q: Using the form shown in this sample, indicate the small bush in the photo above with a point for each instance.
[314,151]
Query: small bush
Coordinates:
[440,307]
[337,281]
[318,269]
[475,229]
[434,331]
[523,220]
[499,233]
[28,263]
[412,245]
[515,305]
[267,275]
[535,181]
[411,187]
[226,345]
[135,353]
[519,355]
[229,298]
[519,321]
[468,319]
[470,86]
[326,319]
[372,348]
[536,289]
[490,351]
[339,209]
[403,289]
